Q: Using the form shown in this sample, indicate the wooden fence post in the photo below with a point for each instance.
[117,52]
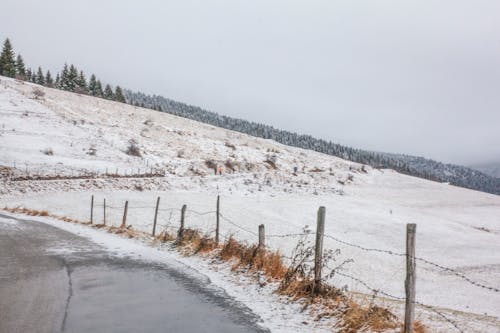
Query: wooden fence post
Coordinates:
[156,215]
[217,221]
[125,210]
[104,210]
[410,278]
[318,250]
[181,229]
[92,209]
[262,237]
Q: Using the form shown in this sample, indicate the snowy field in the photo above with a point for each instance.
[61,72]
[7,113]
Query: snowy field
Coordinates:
[456,228]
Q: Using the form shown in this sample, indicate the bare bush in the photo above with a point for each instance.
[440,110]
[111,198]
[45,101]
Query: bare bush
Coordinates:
[133,148]
[271,160]
[230,145]
[211,164]
[38,93]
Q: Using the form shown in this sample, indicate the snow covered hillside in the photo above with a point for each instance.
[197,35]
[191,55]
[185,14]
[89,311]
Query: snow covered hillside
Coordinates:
[58,150]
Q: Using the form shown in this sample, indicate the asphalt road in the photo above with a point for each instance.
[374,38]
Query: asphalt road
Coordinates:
[54,281]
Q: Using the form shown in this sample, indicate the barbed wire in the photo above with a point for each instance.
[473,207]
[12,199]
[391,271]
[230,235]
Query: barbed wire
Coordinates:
[290,235]
[238,226]
[201,213]
[336,239]
[365,248]
[460,275]
[455,272]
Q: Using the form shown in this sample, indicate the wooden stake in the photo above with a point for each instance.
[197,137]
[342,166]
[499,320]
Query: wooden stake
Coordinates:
[181,229]
[104,210]
[125,210]
[318,251]
[410,278]
[92,209]
[217,221]
[156,215]
[262,237]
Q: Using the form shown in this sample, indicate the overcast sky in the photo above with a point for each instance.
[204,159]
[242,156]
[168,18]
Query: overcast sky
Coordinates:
[416,76]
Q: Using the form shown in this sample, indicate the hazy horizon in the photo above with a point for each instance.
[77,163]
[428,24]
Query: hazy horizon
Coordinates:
[419,77]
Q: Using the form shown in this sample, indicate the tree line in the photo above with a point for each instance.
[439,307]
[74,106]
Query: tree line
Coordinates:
[69,79]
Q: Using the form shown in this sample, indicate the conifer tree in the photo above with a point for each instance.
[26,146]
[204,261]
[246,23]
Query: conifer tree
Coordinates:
[98,89]
[119,95]
[40,78]
[81,84]
[63,83]
[72,81]
[20,68]
[7,62]
[108,92]
[57,82]
[93,85]
[49,82]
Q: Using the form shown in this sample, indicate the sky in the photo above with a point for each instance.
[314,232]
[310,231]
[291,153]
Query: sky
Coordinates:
[418,77]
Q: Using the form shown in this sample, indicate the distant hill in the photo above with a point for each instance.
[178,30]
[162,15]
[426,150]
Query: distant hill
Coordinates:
[407,164]
[492,169]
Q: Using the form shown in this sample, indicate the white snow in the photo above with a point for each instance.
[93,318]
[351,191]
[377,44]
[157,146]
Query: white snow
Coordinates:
[456,227]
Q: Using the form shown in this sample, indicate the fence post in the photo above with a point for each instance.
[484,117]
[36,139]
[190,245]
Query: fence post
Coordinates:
[125,210]
[318,250]
[410,278]
[156,215]
[262,237]
[104,210]
[181,229]
[217,221]
[92,209]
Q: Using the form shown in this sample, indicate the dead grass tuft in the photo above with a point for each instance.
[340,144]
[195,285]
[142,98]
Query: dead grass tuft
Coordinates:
[356,317]
[253,258]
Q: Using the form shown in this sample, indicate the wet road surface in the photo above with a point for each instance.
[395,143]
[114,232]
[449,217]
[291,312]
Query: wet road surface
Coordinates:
[55,281]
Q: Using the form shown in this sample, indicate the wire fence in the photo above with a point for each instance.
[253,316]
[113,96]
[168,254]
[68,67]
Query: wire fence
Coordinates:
[25,171]
[208,219]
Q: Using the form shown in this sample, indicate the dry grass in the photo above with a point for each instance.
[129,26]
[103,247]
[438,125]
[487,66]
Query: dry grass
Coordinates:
[356,317]
[26,211]
[253,258]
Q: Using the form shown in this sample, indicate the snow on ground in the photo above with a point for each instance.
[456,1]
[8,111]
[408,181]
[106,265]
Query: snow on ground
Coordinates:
[456,227]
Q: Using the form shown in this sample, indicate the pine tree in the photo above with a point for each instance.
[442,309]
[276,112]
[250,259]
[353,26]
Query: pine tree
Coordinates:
[81,84]
[72,81]
[119,95]
[108,92]
[40,78]
[57,83]
[63,83]
[20,68]
[7,62]
[49,82]
[93,85]
[98,89]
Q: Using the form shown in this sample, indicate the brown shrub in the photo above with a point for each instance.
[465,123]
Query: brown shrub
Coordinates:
[133,148]
[211,164]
